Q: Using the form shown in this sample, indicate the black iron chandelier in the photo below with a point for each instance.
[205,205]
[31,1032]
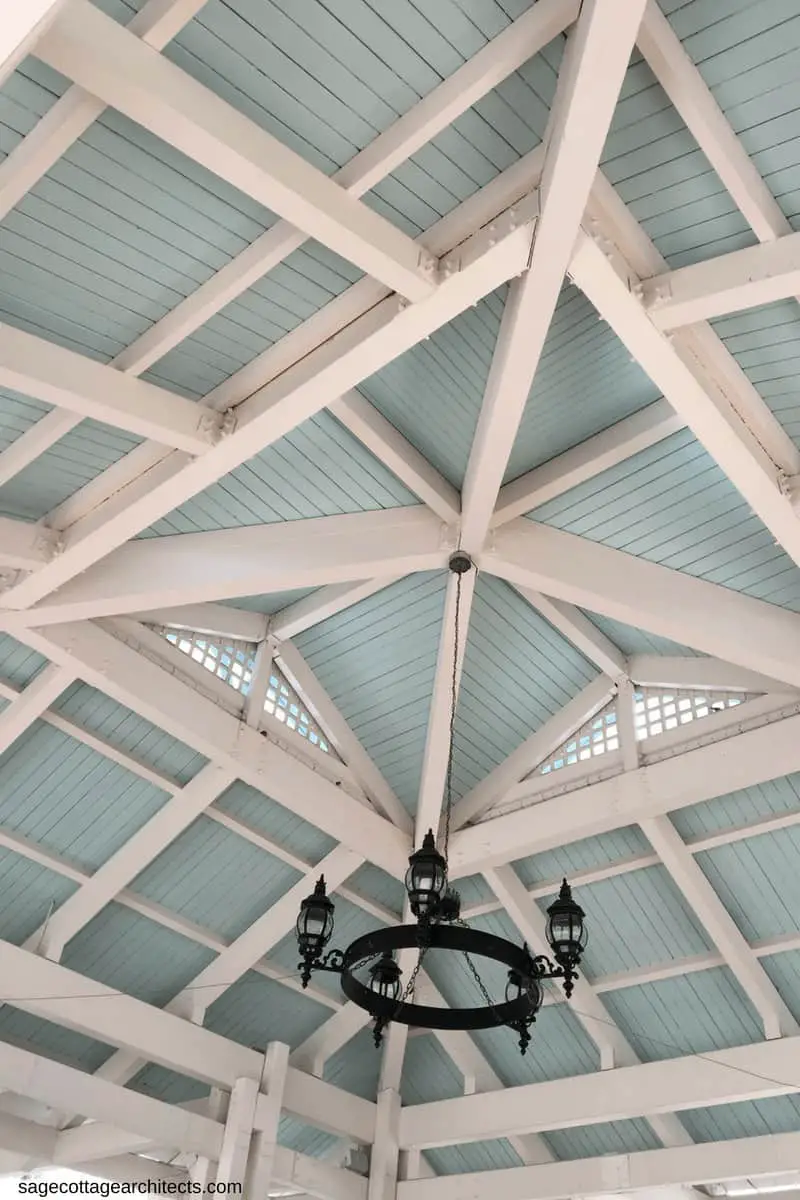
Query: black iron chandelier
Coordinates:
[437,909]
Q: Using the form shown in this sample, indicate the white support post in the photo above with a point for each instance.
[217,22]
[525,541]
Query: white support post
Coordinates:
[384,1158]
[627,725]
[203,1170]
[125,73]
[259,684]
[534,750]
[594,66]
[260,1170]
[725,933]
[238,1133]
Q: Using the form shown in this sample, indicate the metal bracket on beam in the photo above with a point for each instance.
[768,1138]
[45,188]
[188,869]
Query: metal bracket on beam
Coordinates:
[522,212]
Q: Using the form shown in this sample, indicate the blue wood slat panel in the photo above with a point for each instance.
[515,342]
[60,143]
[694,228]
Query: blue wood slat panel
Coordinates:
[585,382]
[757,881]
[376,661]
[672,505]
[18,414]
[305,1139]
[611,1137]
[28,892]
[18,664]
[53,1041]
[690,1014]
[169,1086]
[600,851]
[518,672]
[378,886]
[637,641]
[215,879]
[317,470]
[134,955]
[560,1047]
[493,1155]
[270,604]
[433,392]
[778,1114]
[256,1011]
[764,342]
[356,1066]
[70,799]
[769,799]
[784,971]
[428,1072]
[129,732]
[264,815]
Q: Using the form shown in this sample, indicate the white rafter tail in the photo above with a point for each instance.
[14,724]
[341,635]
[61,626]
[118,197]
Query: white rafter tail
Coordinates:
[389,446]
[72,114]
[661,600]
[33,702]
[39,368]
[693,393]
[477,267]
[133,680]
[579,630]
[726,935]
[730,283]
[325,603]
[594,66]
[586,460]
[691,96]
[165,572]
[534,750]
[215,620]
[434,763]
[712,674]
[350,749]
[113,64]
[34,441]
[131,859]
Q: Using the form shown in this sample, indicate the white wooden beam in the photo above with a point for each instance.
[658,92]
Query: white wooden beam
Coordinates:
[586,460]
[215,620]
[320,605]
[594,66]
[691,96]
[125,73]
[449,663]
[312,1053]
[389,446]
[591,1012]
[639,1173]
[534,750]
[385,1151]
[22,27]
[71,115]
[479,265]
[153,573]
[39,368]
[263,1152]
[176,815]
[432,114]
[24,546]
[729,283]
[693,392]
[666,602]
[670,671]
[116,669]
[237,1134]
[579,630]
[672,1085]
[314,1177]
[350,749]
[33,702]
[34,441]
[724,932]
[753,757]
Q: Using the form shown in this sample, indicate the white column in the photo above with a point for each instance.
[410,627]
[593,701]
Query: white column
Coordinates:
[261,1160]
[203,1170]
[385,1150]
[238,1132]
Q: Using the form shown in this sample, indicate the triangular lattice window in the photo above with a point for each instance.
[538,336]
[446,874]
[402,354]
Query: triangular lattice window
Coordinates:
[597,736]
[234,663]
[657,712]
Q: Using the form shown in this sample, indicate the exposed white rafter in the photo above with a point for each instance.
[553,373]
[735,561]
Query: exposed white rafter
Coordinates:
[592,72]
[300,675]
[165,572]
[114,65]
[668,671]
[215,620]
[35,441]
[663,601]
[32,702]
[322,604]
[22,27]
[586,460]
[726,935]
[534,750]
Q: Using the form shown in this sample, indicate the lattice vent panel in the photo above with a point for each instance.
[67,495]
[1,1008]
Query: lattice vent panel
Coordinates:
[284,704]
[598,736]
[657,712]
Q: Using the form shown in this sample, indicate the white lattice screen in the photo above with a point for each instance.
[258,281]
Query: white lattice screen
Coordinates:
[655,711]
[234,663]
[597,736]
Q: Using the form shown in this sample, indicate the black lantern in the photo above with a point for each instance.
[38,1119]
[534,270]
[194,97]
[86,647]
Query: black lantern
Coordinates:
[566,930]
[384,977]
[315,922]
[528,986]
[426,879]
